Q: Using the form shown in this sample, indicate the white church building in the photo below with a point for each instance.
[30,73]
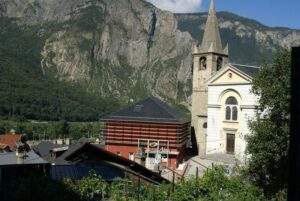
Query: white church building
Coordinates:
[222,102]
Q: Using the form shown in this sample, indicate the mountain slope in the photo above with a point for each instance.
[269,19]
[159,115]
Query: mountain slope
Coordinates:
[250,42]
[129,49]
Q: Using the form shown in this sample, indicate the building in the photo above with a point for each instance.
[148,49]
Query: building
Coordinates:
[83,157]
[149,132]
[8,141]
[222,102]
[14,165]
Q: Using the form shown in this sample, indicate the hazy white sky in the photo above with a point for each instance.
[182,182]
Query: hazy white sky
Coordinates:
[178,6]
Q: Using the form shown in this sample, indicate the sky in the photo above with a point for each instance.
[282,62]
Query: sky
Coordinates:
[279,13]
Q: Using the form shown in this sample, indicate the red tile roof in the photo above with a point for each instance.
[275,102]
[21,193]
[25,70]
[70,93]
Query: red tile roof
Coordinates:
[9,140]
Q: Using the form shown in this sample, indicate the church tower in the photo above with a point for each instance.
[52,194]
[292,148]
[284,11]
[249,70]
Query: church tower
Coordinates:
[208,58]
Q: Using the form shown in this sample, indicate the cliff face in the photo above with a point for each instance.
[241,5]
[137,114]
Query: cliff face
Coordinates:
[129,49]
[250,42]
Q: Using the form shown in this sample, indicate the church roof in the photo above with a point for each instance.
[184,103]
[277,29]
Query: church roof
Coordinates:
[248,70]
[150,109]
[211,41]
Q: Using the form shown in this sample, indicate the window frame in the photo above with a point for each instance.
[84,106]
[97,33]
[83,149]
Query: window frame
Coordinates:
[231,109]
[205,64]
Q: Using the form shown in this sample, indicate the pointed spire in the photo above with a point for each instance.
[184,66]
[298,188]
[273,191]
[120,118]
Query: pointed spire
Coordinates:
[211,39]
[212,5]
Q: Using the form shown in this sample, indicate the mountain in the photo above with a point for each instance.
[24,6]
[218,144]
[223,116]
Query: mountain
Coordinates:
[250,42]
[129,49]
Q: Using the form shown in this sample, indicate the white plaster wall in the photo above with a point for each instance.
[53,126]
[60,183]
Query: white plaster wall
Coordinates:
[213,130]
[216,141]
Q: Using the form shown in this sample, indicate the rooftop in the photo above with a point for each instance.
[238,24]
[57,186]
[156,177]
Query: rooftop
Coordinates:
[248,70]
[10,139]
[151,109]
[10,159]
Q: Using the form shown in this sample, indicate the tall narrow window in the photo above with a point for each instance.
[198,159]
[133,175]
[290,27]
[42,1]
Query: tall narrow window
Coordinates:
[234,113]
[202,63]
[231,112]
[228,113]
[219,63]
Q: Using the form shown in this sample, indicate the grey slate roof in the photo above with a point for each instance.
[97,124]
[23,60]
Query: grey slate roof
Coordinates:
[151,109]
[249,70]
[44,147]
[78,171]
[104,158]
[10,159]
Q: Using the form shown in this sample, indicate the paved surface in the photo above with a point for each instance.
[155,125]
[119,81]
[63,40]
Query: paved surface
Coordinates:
[196,166]
[201,164]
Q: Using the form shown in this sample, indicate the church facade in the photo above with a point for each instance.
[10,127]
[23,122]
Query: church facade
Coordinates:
[222,102]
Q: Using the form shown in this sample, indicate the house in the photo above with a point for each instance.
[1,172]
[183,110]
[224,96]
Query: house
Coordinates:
[222,101]
[149,132]
[83,157]
[15,164]
[8,141]
[49,151]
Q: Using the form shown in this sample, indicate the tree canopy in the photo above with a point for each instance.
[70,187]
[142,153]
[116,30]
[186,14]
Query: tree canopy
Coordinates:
[269,140]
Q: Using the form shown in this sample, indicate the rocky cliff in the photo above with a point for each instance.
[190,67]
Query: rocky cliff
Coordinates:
[129,49]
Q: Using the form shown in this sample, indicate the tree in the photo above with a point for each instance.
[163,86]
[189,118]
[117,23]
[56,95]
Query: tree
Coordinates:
[269,139]
[216,185]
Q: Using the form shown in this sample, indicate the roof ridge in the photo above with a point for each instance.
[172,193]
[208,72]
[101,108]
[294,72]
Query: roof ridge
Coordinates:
[244,65]
[164,106]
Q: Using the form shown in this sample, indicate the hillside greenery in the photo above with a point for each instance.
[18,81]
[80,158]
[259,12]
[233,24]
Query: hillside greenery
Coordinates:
[28,92]
[214,186]
[53,129]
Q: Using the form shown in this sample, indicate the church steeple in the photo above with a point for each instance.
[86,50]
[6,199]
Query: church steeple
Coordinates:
[208,58]
[211,41]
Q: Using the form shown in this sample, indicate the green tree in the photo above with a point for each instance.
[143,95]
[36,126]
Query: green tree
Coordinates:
[92,187]
[215,185]
[268,142]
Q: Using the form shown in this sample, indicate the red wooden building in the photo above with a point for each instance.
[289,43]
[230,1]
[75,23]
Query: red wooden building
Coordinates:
[149,132]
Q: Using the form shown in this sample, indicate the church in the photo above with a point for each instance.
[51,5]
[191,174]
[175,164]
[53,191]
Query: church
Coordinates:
[222,102]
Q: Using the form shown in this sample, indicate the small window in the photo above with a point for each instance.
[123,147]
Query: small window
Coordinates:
[219,63]
[205,125]
[202,63]
[234,113]
[228,113]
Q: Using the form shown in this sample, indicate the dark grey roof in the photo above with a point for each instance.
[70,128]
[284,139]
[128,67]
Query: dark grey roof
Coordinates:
[44,147]
[61,160]
[10,158]
[151,109]
[104,156]
[78,171]
[248,70]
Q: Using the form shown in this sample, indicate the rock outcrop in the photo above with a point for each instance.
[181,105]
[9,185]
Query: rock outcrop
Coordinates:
[129,49]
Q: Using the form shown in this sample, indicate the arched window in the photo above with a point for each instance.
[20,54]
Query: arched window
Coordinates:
[202,63]
[231,112]
[231,101]
[234,113]
[219,63]
[228,113]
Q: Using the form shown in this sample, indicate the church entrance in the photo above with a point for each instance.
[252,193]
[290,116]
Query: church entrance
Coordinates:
[230,142]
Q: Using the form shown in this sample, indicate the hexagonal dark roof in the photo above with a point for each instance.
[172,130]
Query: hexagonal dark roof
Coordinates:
[151,109]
